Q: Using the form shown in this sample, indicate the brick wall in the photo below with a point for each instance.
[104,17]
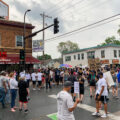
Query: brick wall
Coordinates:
[8,39]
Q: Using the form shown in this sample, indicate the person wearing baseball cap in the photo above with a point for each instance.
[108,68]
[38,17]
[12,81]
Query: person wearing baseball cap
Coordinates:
[65,103]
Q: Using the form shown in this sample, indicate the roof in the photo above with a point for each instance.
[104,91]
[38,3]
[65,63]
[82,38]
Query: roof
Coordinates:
[15,24]
[90,48]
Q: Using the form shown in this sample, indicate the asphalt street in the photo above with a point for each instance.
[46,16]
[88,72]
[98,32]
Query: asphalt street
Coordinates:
[43,103]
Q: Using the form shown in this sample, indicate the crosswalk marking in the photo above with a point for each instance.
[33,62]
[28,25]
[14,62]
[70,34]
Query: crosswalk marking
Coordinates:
[91,109]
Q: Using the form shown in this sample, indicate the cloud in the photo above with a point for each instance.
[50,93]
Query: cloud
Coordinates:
[72,15]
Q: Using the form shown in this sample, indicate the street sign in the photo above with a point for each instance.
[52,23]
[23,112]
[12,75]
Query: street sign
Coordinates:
[38,45]
[76,87]
[4,10]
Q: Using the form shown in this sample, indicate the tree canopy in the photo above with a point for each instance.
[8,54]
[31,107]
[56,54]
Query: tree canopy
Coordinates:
[44,57]
[67,46]
[111,40]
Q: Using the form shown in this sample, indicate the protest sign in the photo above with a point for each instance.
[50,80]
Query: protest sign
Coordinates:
[109,78]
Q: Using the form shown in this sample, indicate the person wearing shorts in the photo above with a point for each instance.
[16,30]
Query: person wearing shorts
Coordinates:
[92,83]
[101,95]
[115,86]
[23,94]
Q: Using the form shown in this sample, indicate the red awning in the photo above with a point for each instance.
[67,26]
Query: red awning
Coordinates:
[14,59]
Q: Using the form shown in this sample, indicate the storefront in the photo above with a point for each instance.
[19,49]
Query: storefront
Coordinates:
[11,42]
[11,61]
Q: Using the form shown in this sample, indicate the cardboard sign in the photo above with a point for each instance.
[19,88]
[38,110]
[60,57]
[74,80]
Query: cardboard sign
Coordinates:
[109,78]
[76,87]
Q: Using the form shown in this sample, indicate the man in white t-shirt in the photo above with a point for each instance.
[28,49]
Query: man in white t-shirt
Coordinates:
[39,77]
[65,103]
[34,75]
[101,95]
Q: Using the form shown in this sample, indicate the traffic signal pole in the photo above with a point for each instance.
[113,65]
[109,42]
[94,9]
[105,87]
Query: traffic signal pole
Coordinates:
[44,16]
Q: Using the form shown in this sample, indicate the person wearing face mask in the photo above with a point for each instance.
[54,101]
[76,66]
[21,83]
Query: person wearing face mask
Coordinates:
[65,103]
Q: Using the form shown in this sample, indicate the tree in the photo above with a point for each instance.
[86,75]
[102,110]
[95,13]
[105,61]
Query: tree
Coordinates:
[67,46]
[44,57]
[118,30]
[110,40]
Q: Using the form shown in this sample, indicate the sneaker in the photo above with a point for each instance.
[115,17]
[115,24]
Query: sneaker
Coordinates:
[13,110]
[26,111]
[104,116]
[96,114]
[34,89]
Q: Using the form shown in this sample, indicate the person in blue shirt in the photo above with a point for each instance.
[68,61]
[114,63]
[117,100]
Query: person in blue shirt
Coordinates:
[118,77]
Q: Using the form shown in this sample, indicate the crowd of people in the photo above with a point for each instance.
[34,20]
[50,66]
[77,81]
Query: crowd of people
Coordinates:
[11,83]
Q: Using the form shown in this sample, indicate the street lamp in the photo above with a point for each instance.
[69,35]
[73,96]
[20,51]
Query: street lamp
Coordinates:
[24,34]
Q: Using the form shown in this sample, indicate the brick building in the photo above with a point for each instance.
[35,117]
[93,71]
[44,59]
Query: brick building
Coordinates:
[11,41]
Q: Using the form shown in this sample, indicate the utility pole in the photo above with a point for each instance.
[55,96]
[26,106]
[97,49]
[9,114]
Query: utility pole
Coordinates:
[44,16]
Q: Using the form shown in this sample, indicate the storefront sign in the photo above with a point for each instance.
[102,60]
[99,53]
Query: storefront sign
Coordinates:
[115,61]
[105,61]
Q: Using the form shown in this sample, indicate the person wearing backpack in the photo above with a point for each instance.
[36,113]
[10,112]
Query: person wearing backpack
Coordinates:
[92,83]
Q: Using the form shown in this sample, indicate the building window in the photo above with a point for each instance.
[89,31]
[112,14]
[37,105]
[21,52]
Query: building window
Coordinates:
[115,53]
[82,55]
[74,57]
[68,58]
[119,53]
[103,54]
[78,56]
[91,55]
[19,41]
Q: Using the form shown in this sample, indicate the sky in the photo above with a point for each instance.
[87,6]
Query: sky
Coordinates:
[72,14]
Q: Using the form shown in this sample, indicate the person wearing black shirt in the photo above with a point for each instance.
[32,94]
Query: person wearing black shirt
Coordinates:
[81,84]
[23,94]
[72,79]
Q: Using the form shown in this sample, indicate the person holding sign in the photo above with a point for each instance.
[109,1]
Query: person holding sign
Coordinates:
[65,104]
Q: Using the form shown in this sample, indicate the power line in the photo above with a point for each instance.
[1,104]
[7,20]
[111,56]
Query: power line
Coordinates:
[85,29]
[82,11]
[68,33]
[55,5]
[67,7]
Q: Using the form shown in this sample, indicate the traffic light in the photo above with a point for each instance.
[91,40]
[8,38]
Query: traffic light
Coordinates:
[22,55]
[21,62]
[56,25]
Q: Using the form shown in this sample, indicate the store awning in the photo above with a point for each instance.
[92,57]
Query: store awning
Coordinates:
[14,59]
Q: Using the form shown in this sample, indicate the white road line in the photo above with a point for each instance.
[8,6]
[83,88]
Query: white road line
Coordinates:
[91,109]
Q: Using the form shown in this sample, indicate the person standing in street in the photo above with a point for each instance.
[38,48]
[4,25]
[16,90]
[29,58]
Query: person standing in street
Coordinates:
[72,79]
[33,75]
[92,83]
[3,88]
[13,90]
[81,86]
[65,104]
[28,78]
[101,95]
[23,94]
[115,86]
[39,77]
